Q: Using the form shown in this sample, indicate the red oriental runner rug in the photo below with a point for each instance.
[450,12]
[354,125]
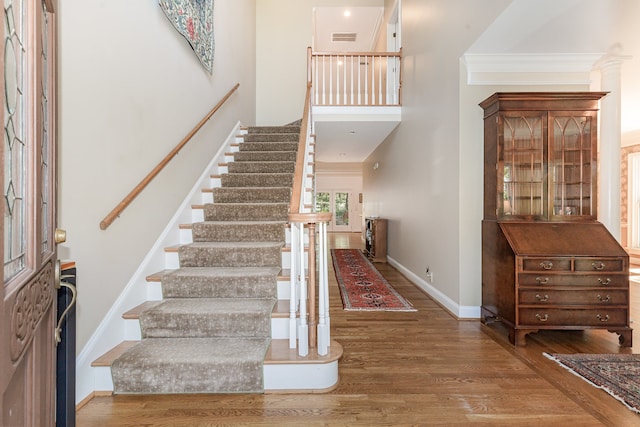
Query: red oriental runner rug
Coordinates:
[362,287]
[617,374]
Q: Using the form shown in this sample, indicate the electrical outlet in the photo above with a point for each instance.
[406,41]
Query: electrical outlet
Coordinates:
[429,274]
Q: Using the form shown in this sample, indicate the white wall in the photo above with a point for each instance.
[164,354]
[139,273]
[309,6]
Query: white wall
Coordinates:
[284,31]
[416,186]
[130,88]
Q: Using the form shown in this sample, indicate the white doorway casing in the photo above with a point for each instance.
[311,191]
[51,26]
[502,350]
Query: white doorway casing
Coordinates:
[344,181]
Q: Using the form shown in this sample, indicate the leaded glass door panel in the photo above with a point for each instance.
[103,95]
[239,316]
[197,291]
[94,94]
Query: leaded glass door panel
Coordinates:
[27,347]
[572,165]
[521,166]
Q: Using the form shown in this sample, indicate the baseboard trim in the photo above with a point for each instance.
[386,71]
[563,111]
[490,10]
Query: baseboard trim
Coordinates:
[458,311]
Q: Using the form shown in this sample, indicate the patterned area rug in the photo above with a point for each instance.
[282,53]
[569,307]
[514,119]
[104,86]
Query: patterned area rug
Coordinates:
[617,374]
[362,287]
[194,20]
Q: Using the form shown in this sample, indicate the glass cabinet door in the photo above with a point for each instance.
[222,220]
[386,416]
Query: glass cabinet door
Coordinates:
[521,163]
[571,165]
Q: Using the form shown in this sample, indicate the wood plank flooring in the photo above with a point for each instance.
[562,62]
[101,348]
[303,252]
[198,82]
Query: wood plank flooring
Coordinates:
[411,368]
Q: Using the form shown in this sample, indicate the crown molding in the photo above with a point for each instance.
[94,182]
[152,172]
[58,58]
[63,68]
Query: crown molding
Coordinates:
[530,69]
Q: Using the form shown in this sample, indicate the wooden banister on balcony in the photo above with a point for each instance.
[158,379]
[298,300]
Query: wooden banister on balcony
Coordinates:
[115,213]
[356,78]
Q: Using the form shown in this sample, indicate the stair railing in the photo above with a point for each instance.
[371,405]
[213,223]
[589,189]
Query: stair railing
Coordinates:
[115,213]
[356,78]
[310,329]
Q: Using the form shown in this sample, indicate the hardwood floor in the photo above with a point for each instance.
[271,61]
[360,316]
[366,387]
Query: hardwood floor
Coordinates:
[408,368]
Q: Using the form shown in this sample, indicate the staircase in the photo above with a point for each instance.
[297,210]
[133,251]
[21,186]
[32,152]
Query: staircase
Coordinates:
[221,326]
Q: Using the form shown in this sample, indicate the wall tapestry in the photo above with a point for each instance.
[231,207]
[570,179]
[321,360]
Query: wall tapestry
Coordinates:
[194,20]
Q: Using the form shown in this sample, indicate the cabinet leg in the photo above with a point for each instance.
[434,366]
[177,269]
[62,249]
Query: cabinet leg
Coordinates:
[518,337]
[625,337]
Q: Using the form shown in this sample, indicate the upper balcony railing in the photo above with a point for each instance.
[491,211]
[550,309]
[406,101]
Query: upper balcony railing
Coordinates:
[355,78]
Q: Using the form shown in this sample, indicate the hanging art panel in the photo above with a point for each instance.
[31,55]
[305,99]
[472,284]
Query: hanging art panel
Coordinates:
[194,20]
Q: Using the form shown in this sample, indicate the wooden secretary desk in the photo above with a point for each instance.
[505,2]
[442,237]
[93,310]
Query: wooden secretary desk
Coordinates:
[547,263]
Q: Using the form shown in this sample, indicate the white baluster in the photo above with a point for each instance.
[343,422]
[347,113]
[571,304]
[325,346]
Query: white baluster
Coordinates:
[396,70]
[330,80]
[323,292]
[293,277]
[380,100]
[324,81]
[366,80]
[359,80]
[344,79]
[373,80]
[351,84]
[315,78]
[303,328]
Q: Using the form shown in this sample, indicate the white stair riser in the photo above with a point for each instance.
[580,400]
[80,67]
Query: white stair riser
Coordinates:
[284,289]
[301,377]
[279,329]
[307,376]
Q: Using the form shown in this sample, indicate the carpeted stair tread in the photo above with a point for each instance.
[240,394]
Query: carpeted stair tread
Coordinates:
[274,129]
[208,317]
[239,231]
[261,167]
[257,179]
[269,146]
[256,156]
[231,254]
[251,195]
[191,365]
[221,282]
[246,211]
[271,137]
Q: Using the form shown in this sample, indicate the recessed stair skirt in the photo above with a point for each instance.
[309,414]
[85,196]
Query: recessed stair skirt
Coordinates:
[211,331]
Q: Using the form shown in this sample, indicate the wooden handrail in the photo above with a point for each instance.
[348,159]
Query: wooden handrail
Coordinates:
[115,213]
[298,178]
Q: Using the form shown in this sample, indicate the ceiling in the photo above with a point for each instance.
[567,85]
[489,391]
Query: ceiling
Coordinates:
[350,141]
[337,23]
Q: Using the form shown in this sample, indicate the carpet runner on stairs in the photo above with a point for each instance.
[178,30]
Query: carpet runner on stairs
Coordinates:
[212,329]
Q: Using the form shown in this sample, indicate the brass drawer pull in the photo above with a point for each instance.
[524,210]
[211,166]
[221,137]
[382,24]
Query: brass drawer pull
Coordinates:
[604,299]
[546,265]
[604,282]
[542,280]
[598,265]
[603,318]
[544,298]
[545,318]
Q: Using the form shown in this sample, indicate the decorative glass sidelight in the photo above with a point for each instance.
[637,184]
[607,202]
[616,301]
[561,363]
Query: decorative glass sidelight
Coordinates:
[46,137]
[15,150]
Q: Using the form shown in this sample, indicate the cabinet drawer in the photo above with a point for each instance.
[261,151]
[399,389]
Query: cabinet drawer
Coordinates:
[593,280]
[598,317]
[601,297]
[546,264]
[598,264]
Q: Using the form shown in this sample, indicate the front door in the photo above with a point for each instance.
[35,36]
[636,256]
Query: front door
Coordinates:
[27,346]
